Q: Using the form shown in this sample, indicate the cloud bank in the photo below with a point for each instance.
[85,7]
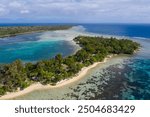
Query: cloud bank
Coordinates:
[93,11]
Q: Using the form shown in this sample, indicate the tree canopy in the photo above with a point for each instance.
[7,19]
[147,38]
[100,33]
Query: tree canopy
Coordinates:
[17,75]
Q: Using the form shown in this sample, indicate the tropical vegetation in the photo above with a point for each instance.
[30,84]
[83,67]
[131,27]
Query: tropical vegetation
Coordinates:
[19,75]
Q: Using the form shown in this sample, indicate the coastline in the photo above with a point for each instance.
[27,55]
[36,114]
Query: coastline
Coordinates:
[13,35]
[34,31]
[39,86]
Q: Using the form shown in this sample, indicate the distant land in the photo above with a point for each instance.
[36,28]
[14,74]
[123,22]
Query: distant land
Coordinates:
[9,31]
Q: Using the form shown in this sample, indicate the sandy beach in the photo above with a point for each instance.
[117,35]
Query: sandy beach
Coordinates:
[39,86]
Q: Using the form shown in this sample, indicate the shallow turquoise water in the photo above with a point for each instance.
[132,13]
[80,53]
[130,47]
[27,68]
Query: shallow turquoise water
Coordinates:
[34,51]
[30,48]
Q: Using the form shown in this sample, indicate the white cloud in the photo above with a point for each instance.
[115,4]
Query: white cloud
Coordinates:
[24,11]
[79,10]
[15,4]
[3,10]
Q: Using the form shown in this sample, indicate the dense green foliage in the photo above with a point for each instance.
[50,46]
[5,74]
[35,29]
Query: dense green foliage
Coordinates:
[14,30]
[18,76]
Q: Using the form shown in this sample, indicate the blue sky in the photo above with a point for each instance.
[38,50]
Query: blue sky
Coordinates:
[75,11]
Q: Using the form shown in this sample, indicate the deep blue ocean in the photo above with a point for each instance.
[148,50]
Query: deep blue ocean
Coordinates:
[132,81]
[131,30]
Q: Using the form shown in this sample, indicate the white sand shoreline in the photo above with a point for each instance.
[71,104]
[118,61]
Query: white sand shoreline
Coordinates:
[39,86]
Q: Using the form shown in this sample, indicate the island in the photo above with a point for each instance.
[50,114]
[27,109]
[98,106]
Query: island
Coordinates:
[16,30]
[17,76]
